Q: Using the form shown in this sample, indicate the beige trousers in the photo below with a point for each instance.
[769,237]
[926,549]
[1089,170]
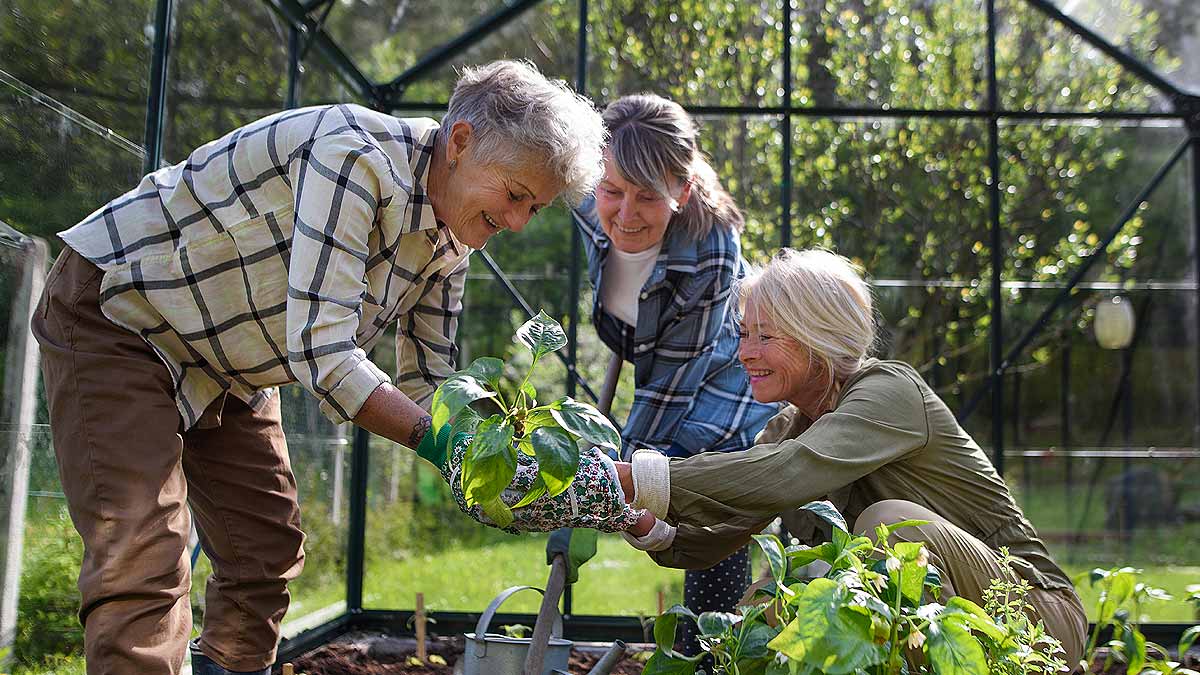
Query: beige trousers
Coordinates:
[968,566]
[129,473]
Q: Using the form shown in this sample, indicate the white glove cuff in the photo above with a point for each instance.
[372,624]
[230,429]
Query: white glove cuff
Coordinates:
[660,537]
[651,482]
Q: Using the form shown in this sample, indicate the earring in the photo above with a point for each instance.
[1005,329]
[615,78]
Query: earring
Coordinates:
[453,164]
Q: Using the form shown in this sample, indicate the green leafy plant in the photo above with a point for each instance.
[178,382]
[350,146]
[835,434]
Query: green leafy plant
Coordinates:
[553,433]
[872,613]
[1119,606]
[1026,648]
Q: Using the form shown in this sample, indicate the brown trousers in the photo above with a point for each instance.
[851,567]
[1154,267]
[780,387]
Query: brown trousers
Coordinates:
[129,472]
[968,566]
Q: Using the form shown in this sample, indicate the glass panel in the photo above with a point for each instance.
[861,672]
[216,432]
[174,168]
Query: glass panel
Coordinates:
[890,54]
[1043,66]
[320,454]
[686,51]
[901,196]
[91,55]
[546,34]
[745,153]
[1076,435]
[57,165]
[386,39]
[1101,463]
[907,199]
[228,68]
[1164,34]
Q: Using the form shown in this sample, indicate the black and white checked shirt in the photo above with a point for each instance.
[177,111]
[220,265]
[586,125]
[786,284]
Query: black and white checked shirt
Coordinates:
[280,253]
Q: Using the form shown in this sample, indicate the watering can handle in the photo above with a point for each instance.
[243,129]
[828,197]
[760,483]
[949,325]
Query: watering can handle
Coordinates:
[485,619]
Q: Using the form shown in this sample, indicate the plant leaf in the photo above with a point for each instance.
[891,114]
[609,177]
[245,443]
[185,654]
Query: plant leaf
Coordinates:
[754,641]
[486,369]
[827,634]
[663,663]
[1189,636]
[453,395]
[773,549]
[664,626]
[541,335]
[586,422]
[952,650]
[827,512]
[961,609]
[1135,649]
[490,462]
[826,551]
[557,458]
[911,575]
[888,530]
[716,623]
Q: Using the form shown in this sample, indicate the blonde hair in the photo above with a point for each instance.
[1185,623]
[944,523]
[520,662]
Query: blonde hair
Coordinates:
[522,119]
[819,299]
[652,139]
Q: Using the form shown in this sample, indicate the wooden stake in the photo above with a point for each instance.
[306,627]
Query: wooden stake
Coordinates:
[662,601]
[420,619]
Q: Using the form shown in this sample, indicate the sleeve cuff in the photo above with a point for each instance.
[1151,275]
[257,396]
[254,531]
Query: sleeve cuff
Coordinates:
[659,538]
[345,400]
[651,482]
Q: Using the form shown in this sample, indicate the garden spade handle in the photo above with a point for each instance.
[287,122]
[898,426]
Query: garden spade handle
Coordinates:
[545,619]
[558,568]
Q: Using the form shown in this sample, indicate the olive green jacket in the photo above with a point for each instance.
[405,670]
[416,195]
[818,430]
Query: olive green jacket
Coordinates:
[888,437]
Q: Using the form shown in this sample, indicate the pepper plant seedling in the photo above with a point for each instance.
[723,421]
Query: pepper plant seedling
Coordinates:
[552,433]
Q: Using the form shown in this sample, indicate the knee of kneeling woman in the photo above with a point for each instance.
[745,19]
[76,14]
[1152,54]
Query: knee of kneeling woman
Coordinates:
[887,512]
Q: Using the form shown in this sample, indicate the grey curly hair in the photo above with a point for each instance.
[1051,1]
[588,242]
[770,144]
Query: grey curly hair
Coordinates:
[520,119]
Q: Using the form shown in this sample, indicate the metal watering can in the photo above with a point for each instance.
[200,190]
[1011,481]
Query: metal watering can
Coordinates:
[491,654]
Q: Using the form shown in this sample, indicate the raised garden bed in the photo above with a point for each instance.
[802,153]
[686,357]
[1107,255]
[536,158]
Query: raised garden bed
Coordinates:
[376,654]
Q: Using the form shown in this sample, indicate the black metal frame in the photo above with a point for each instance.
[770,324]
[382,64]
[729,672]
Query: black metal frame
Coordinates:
[307,31]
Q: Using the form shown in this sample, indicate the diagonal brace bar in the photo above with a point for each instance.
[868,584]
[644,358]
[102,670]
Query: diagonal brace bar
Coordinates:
[1127,60]
[455,47]
[297,16]
[1069,289]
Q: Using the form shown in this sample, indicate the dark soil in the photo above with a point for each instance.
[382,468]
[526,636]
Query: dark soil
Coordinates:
[373,654]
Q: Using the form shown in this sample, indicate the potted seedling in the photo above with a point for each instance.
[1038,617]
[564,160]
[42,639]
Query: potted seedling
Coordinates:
[553,433]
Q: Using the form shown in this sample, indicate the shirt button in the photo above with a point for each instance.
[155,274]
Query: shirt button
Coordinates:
[644,295]
[641,348]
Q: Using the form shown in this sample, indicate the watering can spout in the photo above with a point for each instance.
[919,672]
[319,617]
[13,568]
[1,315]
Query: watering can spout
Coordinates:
[610,659]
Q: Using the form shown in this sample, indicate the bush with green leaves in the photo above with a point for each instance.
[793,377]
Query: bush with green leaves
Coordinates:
[1120,609]
[553,433]
[873,613]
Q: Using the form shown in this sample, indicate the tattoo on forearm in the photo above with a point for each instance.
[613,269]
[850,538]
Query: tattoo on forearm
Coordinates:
[419,430]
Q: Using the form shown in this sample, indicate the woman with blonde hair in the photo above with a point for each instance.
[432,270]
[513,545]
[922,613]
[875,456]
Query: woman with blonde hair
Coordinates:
[870,435]
[661,236]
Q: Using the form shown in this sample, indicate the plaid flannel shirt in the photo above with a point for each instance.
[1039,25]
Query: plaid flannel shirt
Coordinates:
[280,253]
[691,393]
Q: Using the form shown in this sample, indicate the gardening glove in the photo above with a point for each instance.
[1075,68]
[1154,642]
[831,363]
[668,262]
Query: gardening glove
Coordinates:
[435,447]
[575,546]
[593,500]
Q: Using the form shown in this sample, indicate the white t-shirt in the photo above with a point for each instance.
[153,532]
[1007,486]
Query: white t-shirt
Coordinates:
[624,276]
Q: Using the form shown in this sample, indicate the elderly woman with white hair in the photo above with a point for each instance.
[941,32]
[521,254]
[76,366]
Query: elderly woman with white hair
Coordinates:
[278,253]
[869,434]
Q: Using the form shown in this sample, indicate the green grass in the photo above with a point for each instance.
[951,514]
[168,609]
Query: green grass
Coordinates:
[619,580]
[1173,580]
